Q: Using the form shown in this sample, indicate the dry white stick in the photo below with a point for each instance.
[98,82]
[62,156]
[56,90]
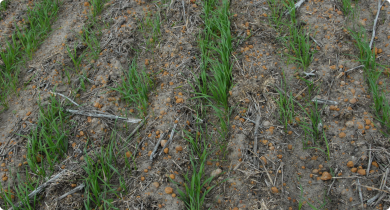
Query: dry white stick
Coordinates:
[255,143]
[323,101]
[282,178]
[156,146]
[379,199]
[114,117]
[135,130]
[373,188]
[354,68]
[138,126]
[170,137]
[369,162]
[265,169]
[371,200]
[277,170]
[40,188]
[375,21]
[319,44]
[70,192]
[383,183]
[297,5]
[332,182]
[65,97]
[348,177]
[360,192]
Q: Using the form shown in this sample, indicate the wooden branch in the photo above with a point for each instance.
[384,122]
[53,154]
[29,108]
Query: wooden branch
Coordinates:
[375,21]
[114,117]
[70,192]
[40,188]
[170,137]
[297,5]
[65,97]
[255,134]
[156,147]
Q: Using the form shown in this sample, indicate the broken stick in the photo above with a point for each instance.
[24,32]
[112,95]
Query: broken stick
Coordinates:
[170,137]
[297,5]
[255,143]
[70,192]
[65,97]
[40,188]
[114,117]
[156,147]
[375,21]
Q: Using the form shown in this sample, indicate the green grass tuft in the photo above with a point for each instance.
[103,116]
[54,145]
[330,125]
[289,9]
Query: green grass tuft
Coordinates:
[135,87]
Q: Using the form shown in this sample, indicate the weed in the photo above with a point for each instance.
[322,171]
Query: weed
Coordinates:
[290,5]
[302,199]
[21,193]
[223,127]
[92,41]
[150,29]
[76,59]
[4,4]
[216,49]
[286,109]
[372,71]
[38,20]
[313,130]
[349,8]
[135,87]
[97,7]
[195,192]
[103,181]
[276,17]
[48,141]
[299,44]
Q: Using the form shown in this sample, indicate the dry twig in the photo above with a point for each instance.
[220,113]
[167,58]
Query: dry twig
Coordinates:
[255,134]
[70,192]
[114,117]
[40,188]
[170,137]
[156,146]
[375,21]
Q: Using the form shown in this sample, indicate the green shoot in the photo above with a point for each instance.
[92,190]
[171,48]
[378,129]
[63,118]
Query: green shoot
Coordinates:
[135,87]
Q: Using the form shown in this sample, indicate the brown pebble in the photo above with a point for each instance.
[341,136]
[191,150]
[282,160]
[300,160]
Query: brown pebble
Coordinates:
[264,159]
[168,190]
[156,184]
[350,164]
[179,148]
[172,176]
[353,170]
[326,176]
[362,172]
[374,163]
[289,147]
[166,150]
[274,190]
[163,142]
[352,100]
[128,154]
[342,135]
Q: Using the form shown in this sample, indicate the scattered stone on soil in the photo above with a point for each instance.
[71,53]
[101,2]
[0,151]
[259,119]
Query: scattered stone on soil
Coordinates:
[168,190]
[216,172]
[326,176]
